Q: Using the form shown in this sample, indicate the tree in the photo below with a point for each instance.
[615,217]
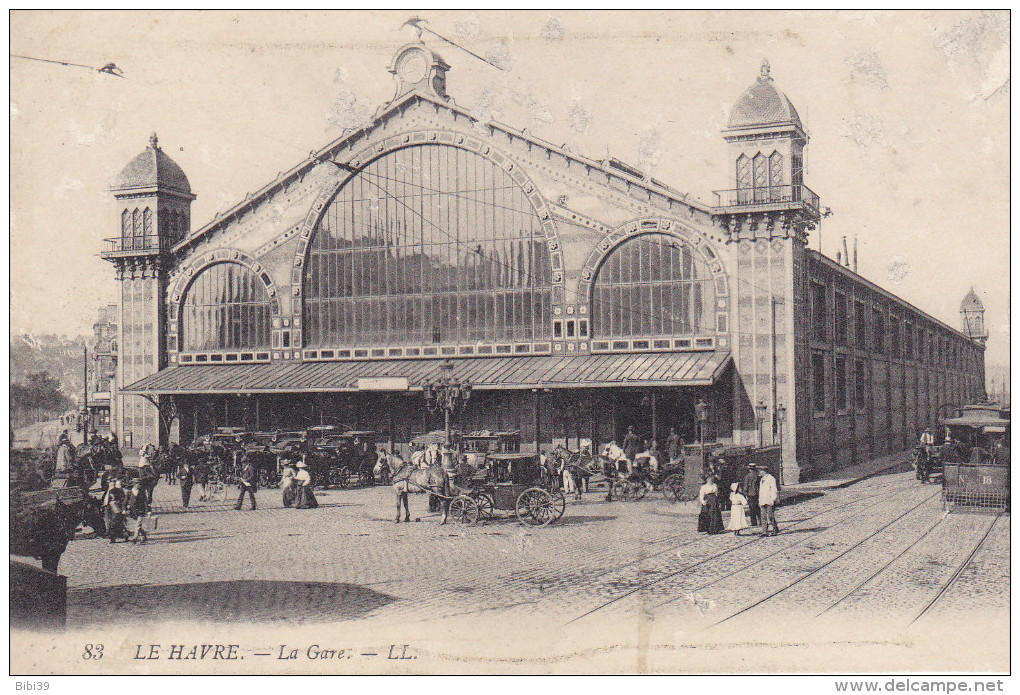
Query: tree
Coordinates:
[41,391]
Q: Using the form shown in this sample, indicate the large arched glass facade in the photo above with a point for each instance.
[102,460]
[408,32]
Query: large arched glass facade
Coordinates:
[653,285]
[428,244]
[226,307]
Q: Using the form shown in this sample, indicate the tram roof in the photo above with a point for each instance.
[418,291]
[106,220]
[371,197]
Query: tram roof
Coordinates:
[484,373]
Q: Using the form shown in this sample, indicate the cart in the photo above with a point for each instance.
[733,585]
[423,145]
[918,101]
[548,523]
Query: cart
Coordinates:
[506,484]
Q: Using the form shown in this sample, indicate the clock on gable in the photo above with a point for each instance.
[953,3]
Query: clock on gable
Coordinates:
[415,67]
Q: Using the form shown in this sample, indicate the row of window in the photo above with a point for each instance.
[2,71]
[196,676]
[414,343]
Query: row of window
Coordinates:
[842,394]
[435,244]
[137,223]
[875,332]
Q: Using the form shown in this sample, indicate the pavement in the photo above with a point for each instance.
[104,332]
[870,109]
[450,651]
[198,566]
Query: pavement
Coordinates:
[845,477]
[852,570]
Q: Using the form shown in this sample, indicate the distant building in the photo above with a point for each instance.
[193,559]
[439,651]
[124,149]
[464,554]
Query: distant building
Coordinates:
[102,368]
[578,296]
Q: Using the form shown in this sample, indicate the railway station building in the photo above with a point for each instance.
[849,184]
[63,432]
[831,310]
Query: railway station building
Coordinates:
[577,296]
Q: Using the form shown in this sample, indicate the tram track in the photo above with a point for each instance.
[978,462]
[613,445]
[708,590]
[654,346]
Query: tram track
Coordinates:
[948,584]
[875,501]
[816,570]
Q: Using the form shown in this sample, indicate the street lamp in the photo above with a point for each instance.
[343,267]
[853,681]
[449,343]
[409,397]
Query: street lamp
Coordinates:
[701,414]
[780,416]
[447,394]
[760,411]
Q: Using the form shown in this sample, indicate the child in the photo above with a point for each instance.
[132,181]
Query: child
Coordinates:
[137,508]
[738,503]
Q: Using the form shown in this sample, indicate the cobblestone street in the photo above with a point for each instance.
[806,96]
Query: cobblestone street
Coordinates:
[876,557]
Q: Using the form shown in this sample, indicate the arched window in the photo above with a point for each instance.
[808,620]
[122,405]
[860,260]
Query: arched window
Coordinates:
[761,171]
[743,171]
[147,221]
[125,224]
[776,169]
[136,223]
[226,307]
[428,244]
[652,285]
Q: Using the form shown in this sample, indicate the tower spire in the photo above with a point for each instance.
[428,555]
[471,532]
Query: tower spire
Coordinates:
[766,69]
[154,141]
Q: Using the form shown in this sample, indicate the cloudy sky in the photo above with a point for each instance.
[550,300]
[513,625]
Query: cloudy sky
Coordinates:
[908,115]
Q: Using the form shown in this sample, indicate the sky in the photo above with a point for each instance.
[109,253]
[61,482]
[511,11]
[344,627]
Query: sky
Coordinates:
[908,114]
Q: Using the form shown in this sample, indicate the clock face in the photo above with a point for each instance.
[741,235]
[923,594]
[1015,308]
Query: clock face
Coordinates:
[413,67]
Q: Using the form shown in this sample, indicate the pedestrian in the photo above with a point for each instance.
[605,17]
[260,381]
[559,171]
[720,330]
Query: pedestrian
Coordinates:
[674,445]
[147,474]
[114,508]
[738,504]
[710,518]
[305,496]
[201,469]
[187,478]
[382,467]
[768,497]
[247,483]
[287,485]
[137,509]
[630,444]
[749,488]
[65,454]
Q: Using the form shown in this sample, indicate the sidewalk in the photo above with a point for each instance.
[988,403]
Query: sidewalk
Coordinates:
[845,477]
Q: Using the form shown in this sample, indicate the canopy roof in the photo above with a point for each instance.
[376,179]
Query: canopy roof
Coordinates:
[582,371]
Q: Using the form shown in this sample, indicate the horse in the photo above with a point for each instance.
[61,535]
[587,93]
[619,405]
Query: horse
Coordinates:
[406,477]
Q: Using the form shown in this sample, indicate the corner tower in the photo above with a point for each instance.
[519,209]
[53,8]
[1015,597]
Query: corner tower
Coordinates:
[153,212]
[972,318]
[767,212]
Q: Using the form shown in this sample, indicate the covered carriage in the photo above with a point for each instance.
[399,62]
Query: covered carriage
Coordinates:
[508,483]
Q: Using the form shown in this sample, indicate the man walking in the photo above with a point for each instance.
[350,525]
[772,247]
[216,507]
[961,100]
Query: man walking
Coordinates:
[248,483]
[749,486]
[768,496]
[187,478]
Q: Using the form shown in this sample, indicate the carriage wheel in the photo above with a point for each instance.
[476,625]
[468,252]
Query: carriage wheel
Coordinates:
[485,507]
[673,487]
[559,504]
[535,507]
[619,490]
[218,492]
[639,490]
[342,476]
[464,510]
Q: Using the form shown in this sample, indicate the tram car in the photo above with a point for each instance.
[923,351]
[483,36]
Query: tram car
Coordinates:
[976,461]
[344,460]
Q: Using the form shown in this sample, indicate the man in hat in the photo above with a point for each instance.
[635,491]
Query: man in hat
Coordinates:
[65,454]
[248,483]
[630,445]
[768,498]
[750,487]
[187,478]
[674,445]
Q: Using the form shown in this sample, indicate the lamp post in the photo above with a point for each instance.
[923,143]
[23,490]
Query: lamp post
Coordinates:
[760,411]
[447,394]
[780,416]
[701,414]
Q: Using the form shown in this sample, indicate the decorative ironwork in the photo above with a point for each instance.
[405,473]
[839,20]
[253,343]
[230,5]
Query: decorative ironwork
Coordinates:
[446,394]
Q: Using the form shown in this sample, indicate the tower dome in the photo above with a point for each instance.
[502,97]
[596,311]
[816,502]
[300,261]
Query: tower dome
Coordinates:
[763,105]
[152,169]
[971,302]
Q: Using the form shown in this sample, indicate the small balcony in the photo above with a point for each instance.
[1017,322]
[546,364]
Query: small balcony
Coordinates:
[769,198]
[119,247]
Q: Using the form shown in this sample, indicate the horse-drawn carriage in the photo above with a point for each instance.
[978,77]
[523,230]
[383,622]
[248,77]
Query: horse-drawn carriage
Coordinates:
[506,482]
[344,460]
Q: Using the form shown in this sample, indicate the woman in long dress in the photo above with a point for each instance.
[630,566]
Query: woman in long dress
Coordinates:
[305,496]
[738,504]
[710,518]
[287,485]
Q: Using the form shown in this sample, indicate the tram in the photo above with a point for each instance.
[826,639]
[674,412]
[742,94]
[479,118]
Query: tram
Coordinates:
[975,459]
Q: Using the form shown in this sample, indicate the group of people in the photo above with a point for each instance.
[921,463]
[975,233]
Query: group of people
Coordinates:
[755,496]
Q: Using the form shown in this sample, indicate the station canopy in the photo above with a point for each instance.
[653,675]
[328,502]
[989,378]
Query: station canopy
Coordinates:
[485,373]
